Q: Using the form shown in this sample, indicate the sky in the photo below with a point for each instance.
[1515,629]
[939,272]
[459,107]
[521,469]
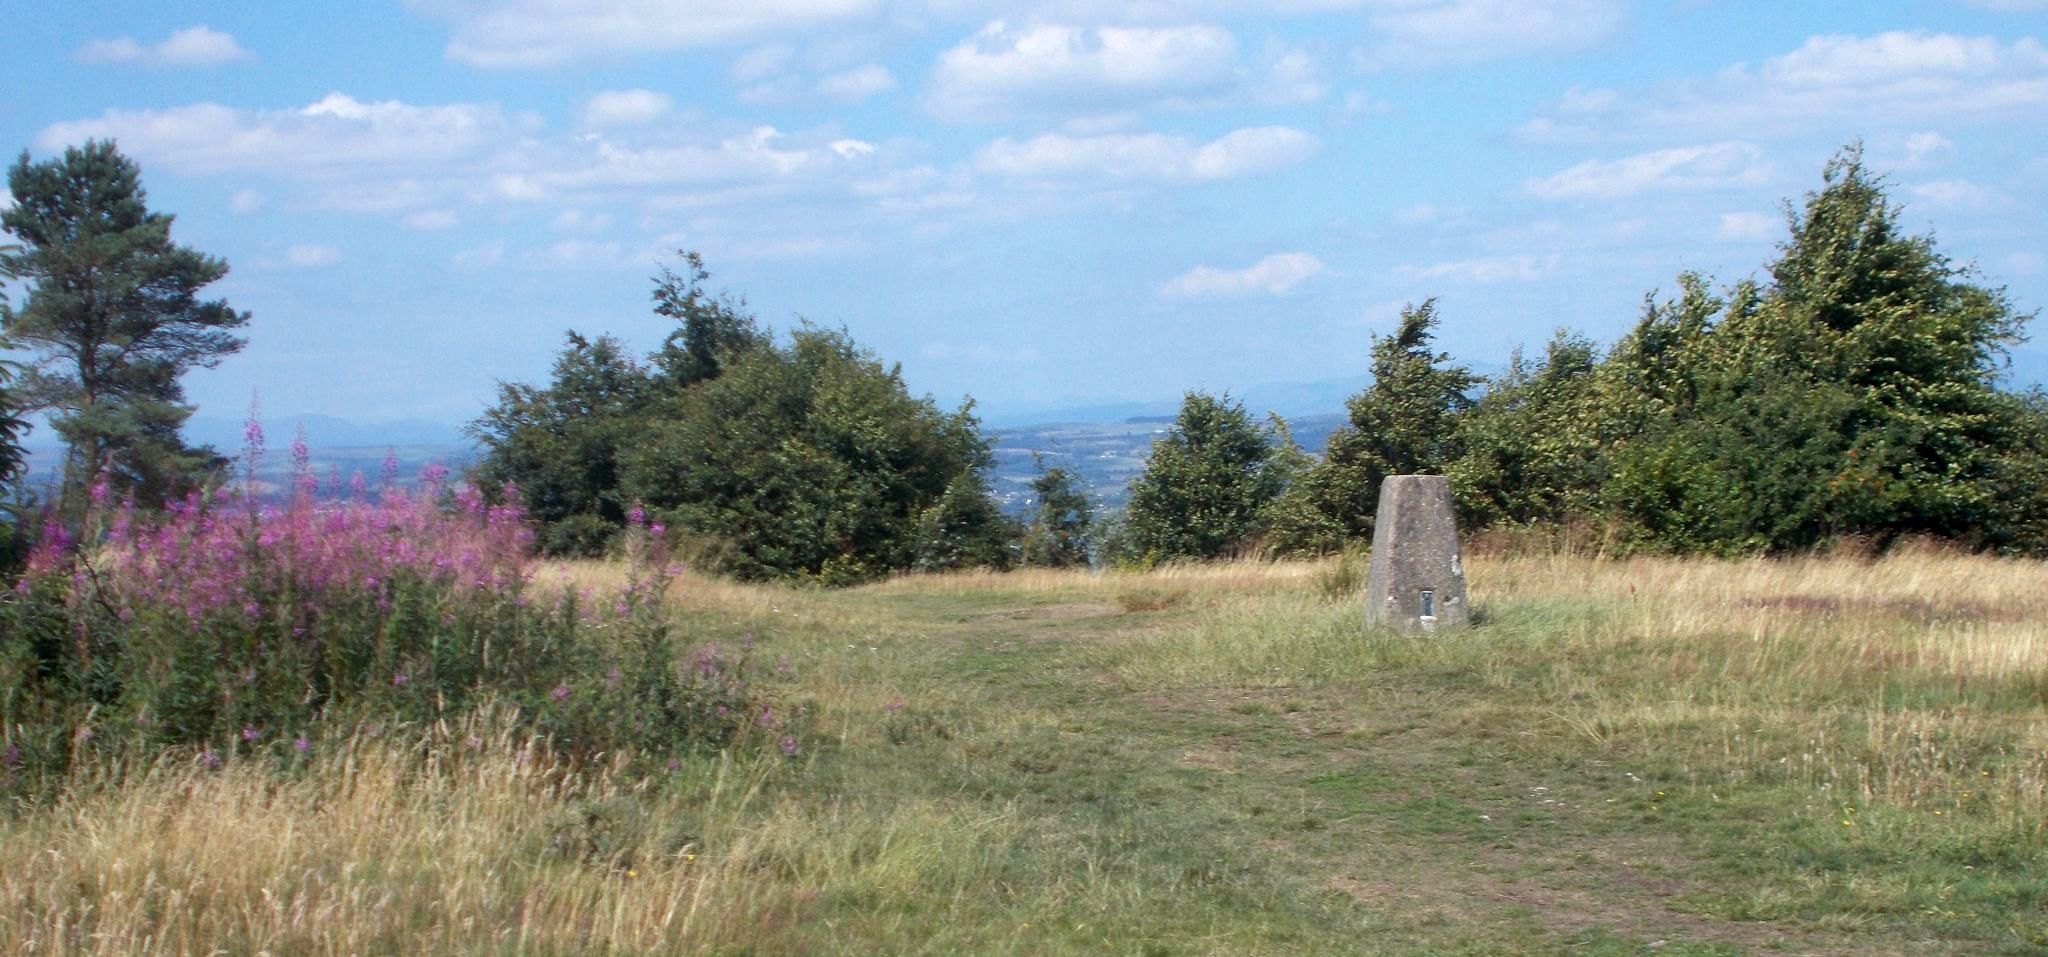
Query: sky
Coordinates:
[1036,204]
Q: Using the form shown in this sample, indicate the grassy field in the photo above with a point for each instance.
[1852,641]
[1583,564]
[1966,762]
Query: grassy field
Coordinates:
[1818,756]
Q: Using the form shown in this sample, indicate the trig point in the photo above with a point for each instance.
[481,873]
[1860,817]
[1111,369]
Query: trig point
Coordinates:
[1417,582]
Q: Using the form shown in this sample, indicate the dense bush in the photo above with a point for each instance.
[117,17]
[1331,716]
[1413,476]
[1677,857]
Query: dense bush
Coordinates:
[1206,490]
[808,460]
[1852,396]
[229,625]
[813,461]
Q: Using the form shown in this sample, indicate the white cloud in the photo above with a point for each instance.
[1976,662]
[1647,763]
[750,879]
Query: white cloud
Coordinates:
[1148,156]
[1253,151]
[1884,80]
[192,46]
[1423,214]
[2026,264]
[245,201]
[1274,275]
[1959,194]
[761,63]
[1689,167]
[1423,32]
[402,159]
[312,255]
[1748,226]
[538,33]
[625,107]
[431,219]
[480,257]
[1493,269]
[1923,149]
[1005,70]
[855,85]
[338,132]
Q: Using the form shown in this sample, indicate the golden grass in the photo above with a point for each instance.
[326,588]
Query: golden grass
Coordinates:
[1912,682]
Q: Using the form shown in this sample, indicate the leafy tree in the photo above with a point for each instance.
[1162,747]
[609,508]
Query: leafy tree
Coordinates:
[710,331]
[1531,445]
[114,310]
[1855,395]
[963,529]
[1058,535]
[1404,423]
[560,444]
[1206,487]
[813,461]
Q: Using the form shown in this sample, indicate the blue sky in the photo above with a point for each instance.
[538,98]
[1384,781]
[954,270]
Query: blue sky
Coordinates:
[1036,204]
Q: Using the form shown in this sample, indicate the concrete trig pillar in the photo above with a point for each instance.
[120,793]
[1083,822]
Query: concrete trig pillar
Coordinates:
[1417,581]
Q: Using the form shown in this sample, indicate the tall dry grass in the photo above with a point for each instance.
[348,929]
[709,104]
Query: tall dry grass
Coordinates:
[1918,679]
[462,841]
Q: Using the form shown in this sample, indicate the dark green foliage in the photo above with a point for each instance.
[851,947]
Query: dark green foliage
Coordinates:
[1208,485]
[709,330]
[814,461]
[1405,423]
[963,529]
[113,311]
[1532,445]
[560,444]
[1852,397]
[13,462]
[1058,536]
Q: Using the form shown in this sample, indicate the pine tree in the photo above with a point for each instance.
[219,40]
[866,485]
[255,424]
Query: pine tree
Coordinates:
[114,312]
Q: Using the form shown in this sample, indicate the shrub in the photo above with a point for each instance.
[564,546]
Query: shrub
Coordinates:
[228,625]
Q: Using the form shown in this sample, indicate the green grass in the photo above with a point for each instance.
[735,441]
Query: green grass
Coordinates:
[1625,759]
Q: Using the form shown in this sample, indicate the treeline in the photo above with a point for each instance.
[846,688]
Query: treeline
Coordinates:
[1852,395]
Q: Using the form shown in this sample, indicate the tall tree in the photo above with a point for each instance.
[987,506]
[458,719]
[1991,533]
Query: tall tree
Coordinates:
[1855,395]
[1405,422]
[814,461]
[710,330]
[561,444]
[115,314]
[1207,486]
[1531,447]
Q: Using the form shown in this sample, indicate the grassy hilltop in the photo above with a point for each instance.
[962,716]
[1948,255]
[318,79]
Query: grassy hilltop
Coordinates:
[1824,755]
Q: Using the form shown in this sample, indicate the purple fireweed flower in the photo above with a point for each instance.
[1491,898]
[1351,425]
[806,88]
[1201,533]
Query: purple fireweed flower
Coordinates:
[613,677]
[301,745]
[11,757]
[101,494]
[788,745]
[251,734]
[657,529]
[400,679]
[561,693]
[636,515]
[208,759]
[768,717]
